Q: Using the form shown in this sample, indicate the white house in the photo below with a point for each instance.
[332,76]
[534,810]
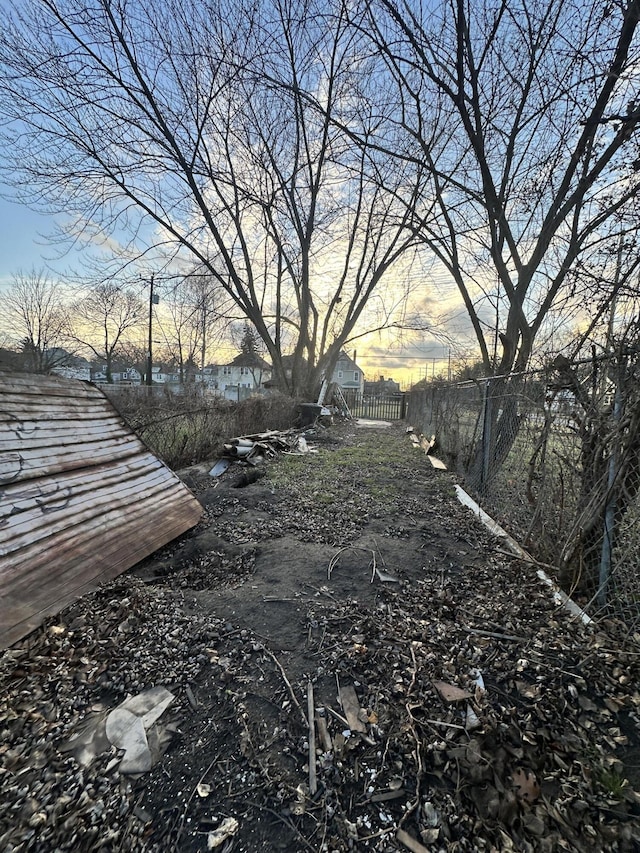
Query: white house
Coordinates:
[243,376]
[347,374]
[77,368]
[120,374]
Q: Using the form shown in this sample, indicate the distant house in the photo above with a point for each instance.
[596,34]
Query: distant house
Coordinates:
[243,376]
[287,367]
[165,374]
[347,374]
[132,375]
[209,377]
[121,374]
[381,387]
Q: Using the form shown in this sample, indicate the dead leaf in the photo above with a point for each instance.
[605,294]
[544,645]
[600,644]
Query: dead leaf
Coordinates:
[451,693]
[410,842]
[526,785]
[586,704]
[351,708]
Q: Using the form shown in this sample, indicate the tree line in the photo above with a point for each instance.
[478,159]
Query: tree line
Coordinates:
[49,324]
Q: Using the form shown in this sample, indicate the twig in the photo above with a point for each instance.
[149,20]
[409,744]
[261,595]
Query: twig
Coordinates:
[416,803]
[375,542]
[323,731]
[288,683]
[378,834]
[262,767]
[313,783]
[410,842]
[528,559]
[414,670]
[338,717]
[183,817]
[374,567]
[333,562]
[442,723]
[288,823]
[495,634]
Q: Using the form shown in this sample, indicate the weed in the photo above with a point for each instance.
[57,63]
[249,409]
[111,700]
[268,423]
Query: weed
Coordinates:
[613,782]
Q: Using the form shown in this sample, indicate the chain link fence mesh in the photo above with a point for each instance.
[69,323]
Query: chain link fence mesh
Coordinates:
[551,458]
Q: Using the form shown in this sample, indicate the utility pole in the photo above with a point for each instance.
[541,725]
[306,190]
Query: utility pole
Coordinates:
[153,300]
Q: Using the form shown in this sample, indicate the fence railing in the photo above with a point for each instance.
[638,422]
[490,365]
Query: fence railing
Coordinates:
[552,456]
[386,407]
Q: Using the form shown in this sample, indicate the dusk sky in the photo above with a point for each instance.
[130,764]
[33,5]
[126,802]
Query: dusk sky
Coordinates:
[25,245]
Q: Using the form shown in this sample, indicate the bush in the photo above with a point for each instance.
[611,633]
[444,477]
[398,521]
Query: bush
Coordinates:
[187,427]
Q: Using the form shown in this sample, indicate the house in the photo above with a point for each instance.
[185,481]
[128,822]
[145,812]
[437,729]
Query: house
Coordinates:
[347,374]
[243,376]
[75,368]
[209,377]
[381,387]
[165,374]
[121,374]
[287,362]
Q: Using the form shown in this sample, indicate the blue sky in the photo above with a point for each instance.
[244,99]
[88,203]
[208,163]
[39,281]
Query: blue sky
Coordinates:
[23,241]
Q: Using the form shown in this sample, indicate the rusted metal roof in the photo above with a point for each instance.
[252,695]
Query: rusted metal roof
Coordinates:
[82,499]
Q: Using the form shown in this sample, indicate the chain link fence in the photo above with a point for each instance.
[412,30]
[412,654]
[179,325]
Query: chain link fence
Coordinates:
[553,456]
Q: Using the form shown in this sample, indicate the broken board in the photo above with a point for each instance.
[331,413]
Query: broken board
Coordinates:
[82,499]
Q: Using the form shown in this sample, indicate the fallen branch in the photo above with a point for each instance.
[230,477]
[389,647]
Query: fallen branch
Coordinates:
[313,783]
[512,637]
[288,683]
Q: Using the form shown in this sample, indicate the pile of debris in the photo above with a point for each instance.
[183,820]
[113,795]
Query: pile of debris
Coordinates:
[257,448]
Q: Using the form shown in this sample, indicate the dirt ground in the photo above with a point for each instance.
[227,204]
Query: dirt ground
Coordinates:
[456,706]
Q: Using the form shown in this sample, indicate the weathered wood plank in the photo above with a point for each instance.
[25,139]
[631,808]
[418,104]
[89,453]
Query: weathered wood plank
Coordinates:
[81,498]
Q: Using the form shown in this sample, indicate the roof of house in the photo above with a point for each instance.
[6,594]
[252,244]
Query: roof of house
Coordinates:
[249,359]
[346,360]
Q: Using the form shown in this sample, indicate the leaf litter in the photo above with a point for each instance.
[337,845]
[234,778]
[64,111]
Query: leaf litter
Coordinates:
[455,709]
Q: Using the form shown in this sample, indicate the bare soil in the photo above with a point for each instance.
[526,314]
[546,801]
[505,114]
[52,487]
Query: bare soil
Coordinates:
[353,567]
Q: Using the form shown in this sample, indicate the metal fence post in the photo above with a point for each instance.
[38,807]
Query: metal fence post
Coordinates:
[611,503]
[486,436]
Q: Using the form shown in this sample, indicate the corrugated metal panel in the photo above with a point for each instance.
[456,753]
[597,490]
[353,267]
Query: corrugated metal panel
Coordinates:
[81,498]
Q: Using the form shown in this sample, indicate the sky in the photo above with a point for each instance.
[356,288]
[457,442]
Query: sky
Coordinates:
[24,245]
[23,241]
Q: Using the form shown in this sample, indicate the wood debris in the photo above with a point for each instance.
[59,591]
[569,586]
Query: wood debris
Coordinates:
[266,445]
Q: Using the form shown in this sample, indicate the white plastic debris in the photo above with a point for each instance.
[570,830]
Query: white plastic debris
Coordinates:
[471,720]
[128,724]
[227,829]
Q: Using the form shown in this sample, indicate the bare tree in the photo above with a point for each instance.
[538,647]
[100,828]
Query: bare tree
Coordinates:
[523,115]
[100,320]
[187,124]
[194,321]
[33,315]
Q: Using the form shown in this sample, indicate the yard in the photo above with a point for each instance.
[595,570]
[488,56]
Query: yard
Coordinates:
[456,707]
